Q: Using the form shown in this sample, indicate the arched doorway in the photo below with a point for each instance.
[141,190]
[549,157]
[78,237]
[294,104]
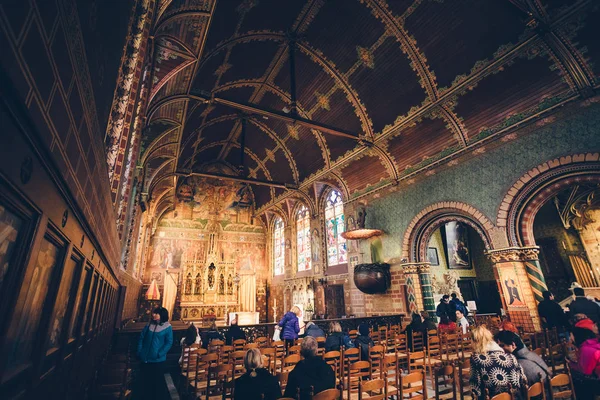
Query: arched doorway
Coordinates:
[451,240]
[556,206]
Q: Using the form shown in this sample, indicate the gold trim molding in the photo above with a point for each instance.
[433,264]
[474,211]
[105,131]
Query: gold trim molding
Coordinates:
[530,253]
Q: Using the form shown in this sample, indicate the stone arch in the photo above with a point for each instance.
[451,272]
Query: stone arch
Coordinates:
[540,184]
[422,226]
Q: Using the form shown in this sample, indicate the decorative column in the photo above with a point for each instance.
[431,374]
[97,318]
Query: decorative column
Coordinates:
[426,289]
[521,283]
[413,290]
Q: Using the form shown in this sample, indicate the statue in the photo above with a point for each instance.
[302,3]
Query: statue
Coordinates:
[362,215]
[198,286]
[188,284]
[448,283]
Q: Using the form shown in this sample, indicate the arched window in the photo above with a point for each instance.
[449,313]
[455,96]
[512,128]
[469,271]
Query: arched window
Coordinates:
[278,247]
[334,224]
[303,239]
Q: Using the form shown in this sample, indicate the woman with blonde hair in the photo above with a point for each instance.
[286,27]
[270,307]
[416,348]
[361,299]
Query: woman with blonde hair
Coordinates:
[492,369]
[290,326]
[257,381]
[337,338]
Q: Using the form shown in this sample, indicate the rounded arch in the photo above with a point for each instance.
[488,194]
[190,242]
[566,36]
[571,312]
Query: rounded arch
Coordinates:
[424,224]
[540,184]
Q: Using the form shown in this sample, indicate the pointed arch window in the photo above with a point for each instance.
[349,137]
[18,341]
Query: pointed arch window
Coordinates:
[334,224]
[303,239]
[278,247]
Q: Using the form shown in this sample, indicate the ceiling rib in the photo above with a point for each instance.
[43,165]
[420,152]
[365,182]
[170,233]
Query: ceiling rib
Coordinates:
[253,181]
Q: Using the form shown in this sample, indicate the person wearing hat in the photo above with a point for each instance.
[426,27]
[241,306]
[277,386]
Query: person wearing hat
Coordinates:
[583,305]
[363,341]
[587,323]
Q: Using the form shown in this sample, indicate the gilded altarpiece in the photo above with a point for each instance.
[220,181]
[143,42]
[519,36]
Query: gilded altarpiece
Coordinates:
[208,240]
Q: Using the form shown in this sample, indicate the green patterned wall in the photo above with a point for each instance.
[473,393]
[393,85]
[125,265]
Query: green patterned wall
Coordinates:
[483,181]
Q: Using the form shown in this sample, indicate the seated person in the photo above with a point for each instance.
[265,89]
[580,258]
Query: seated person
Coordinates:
[234,333]
[532,364]
[363,341]
[461,320]
[428,321]
[313,330]
[446,326]
[312,371]
[211,334]
[506,325]
[416,325]
[191,340]
[337,338]
[587,323]
[257,381]
[589,352]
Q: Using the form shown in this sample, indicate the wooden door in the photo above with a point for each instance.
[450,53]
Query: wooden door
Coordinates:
[334,301]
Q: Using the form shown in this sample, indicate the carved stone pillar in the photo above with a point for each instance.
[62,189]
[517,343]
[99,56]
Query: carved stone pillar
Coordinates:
[521,283]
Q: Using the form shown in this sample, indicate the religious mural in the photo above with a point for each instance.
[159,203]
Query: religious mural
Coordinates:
[457,245]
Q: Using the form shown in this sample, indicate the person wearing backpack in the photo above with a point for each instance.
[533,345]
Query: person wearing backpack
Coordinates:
[337,338]
[363,341]
[458,305]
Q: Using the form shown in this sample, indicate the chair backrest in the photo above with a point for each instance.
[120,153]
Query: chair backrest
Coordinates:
[329,394]
[239,344]
[464,374]
[357,372]
[249,346]
[400,343]
[350,356]
[290,362]
[501,396]
[353,334]
[413,386]
[415,356]
[375,388]
[333,358]
[294,350]
[418,341]
[225,352]
[536,390]
[270,354]
[563,383]
[262,341]
[444,381]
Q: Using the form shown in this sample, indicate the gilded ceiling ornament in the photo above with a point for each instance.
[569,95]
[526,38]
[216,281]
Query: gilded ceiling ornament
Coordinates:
[514,254]
[366,57]
[222,69]
[270,155]
[293,131]
[323,101]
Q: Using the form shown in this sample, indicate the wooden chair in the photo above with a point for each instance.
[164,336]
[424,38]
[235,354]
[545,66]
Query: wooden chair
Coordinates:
[358,371]
[249,346]
[334,359]
[466,345]
[262,342]
[349,357]
[376,358]
[225,352]
[401,349]
[557,357]
[536,390]
[540,351]
[564,385]
[239,344]
[391,370]
[215,346]
[418,341]
[375,389]
[280,354]
[290,362]
[450,346]
[413,386]
[329,394]
[282,377]
[417,360]
[217,376]
[270,354]
[464,374]
[236,358]
[499,396]
[353,334]
[294,350]
[203,365]
[444,382]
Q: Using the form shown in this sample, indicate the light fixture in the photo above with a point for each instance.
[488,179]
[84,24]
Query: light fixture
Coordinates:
[153,293]
[361,232]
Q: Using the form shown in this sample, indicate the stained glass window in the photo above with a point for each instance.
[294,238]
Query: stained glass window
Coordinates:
[303,239]
[334,223]
[278,247]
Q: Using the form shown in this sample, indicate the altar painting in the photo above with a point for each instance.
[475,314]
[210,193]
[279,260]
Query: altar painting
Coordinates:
[511,286]
[457,245]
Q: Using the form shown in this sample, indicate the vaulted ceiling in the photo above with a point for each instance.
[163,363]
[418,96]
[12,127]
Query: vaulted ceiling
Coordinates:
[384,90]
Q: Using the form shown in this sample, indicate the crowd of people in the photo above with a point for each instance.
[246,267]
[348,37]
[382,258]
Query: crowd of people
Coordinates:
[499,362]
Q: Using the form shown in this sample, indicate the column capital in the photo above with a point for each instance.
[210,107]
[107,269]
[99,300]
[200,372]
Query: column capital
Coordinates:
[416,268]
[514,254]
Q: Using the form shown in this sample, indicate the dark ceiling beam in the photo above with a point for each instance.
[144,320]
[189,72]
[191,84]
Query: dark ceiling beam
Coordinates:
[260,182]
[266,112]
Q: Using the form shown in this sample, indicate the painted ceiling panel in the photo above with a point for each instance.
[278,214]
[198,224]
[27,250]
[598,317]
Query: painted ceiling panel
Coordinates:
[368,170]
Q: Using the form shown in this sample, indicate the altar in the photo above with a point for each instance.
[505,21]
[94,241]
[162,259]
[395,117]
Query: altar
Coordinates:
[244,317]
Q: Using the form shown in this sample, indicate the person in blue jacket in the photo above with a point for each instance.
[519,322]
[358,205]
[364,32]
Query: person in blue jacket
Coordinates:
[289,326]
[155,342]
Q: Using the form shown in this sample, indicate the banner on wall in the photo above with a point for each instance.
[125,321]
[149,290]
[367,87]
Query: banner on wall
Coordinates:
[512,287]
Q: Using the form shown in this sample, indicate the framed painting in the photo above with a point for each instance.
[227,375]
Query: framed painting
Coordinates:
[457,246]
[432,256]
